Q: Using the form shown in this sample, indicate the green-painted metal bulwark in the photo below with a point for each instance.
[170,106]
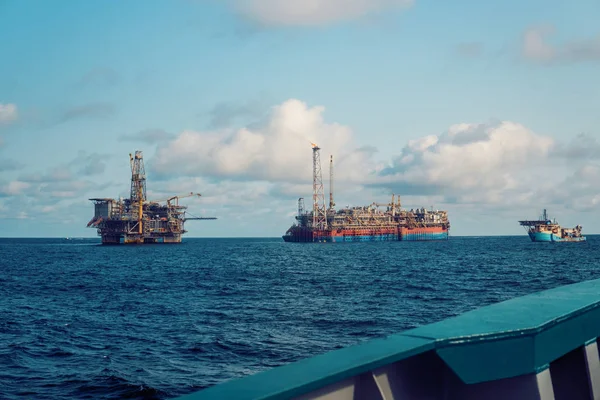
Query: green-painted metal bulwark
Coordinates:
[516,337]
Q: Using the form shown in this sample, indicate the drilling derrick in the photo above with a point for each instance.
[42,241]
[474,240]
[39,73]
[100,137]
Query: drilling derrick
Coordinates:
[319,214]
[137,219]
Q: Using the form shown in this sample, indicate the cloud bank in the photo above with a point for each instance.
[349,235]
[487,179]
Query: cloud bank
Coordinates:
[277,149]
[497,164]
[312,12]
[536,47]
[8,113]
[470,156]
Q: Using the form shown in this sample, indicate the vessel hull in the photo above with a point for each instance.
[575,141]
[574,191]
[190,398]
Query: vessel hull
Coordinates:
[423,234]
[306,235]
[551,237]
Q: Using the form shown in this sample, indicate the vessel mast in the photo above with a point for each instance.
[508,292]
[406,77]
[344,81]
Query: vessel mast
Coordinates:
[331,202]
[138,185]
[300,206]
[319,215]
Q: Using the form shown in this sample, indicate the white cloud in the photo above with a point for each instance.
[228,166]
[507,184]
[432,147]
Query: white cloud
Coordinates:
[582,146]
[50,196]
[499,164]
[476,163]
[49,209]
[277,150]
[22,215]
[8,113]
[312,12]
[14,188]
[579,190]
[536,47]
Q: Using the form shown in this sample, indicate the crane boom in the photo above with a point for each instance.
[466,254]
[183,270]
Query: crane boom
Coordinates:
[180,196]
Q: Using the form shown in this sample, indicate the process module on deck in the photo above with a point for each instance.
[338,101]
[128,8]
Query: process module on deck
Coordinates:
[137,220]
[368,223]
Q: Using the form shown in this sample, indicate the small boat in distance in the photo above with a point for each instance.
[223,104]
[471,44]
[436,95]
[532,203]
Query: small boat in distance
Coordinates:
[546,230]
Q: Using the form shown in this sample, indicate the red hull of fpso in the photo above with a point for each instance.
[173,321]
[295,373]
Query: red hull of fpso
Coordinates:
[305,234]
[427,233]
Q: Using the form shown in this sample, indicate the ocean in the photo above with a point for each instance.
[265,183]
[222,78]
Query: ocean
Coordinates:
[81,320]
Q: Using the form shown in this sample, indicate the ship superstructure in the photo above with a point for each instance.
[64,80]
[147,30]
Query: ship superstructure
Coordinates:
[375,222]
[545,229]
[138,220]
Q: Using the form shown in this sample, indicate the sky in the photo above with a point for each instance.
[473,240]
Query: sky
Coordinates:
[489,110]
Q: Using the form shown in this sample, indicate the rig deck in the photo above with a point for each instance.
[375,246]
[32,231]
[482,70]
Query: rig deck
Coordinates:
[138,220]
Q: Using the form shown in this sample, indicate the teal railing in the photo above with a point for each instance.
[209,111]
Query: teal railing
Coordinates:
[540,346]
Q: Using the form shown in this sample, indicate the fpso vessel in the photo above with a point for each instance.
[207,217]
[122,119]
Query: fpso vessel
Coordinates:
[546,230]
[369,223]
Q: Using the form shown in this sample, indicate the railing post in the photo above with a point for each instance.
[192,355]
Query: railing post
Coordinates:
[592,361]
[544,385]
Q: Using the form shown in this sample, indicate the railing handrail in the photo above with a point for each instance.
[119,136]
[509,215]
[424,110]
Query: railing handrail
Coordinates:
[521,335]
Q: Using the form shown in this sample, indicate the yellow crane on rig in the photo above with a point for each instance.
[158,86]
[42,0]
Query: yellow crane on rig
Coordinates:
[180,196]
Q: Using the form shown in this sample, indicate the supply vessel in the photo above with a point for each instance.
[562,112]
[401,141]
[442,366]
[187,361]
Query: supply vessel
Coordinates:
[138,220]
[366,223]
[546,230]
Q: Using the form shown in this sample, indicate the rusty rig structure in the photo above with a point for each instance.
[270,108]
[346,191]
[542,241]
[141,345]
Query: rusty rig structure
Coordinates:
[137,220]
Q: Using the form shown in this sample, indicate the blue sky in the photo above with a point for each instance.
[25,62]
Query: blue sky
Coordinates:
[486,109]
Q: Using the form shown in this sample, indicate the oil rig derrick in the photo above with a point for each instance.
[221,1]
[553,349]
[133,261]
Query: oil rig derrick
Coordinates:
[137,219]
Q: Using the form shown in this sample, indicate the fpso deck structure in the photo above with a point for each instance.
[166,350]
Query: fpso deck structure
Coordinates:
[138,220]
[363,224]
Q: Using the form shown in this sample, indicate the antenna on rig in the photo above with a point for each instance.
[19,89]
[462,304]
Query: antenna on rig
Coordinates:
[300,206]
[331,202]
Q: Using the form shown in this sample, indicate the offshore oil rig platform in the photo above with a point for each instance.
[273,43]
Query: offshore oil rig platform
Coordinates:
[138,220]
[368,223]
